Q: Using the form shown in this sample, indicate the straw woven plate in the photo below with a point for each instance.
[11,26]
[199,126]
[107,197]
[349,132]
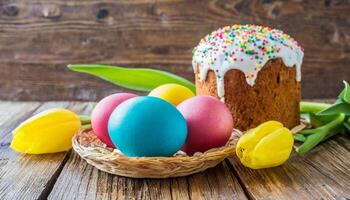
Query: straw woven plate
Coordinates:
[91,149]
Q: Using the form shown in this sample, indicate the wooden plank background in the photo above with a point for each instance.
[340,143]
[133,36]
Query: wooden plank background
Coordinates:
[38,38]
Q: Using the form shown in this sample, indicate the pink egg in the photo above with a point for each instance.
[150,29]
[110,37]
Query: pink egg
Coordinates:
[102,112]
[209,123]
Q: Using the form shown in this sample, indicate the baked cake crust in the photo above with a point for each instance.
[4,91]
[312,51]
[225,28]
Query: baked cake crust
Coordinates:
[274,96]
[255,70]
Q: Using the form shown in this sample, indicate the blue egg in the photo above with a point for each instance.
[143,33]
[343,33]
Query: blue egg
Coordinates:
[147,126]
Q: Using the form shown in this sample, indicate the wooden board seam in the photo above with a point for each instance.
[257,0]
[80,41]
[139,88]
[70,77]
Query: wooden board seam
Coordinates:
[240,181]
[51,183]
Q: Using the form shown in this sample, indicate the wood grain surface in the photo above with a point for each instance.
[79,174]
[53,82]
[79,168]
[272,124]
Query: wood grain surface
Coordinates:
[39,38]
[28,176]
[79,180]
[322,173]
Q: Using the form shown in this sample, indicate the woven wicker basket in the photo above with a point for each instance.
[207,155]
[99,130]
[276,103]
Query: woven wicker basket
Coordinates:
[90,148]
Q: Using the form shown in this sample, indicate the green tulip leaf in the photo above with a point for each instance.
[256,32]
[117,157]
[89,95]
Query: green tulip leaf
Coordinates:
[345,94]
[319,120]
[331,134]
[311,141]
[317,135]
[327,120]
[347,125]
[305,116]
[139,79]
[329,127]
[339,107]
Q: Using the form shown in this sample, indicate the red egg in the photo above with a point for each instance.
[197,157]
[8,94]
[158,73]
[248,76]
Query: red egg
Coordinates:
[101,113]
[209,123]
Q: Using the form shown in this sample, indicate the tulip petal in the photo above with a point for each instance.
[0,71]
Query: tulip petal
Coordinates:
[47,132]
[274,149]
[249,140]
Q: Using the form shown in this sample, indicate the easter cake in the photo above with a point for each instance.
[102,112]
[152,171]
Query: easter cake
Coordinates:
[255,70]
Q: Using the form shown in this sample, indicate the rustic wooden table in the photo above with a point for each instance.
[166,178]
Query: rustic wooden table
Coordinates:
[323,173]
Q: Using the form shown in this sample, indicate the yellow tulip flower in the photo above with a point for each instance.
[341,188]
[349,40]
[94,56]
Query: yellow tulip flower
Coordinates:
[50,131]
[268,145]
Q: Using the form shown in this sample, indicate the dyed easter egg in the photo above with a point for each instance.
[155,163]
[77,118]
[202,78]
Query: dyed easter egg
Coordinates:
[147,126]
[209,123]
[101,113]
[172,93]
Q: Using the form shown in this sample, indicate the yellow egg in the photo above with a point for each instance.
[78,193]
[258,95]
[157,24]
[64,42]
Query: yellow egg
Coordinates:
[172,93]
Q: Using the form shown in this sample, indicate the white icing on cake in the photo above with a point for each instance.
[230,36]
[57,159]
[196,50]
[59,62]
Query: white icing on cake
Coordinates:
[246,48]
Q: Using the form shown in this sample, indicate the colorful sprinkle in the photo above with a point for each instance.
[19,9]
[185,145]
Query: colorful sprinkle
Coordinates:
[247,48]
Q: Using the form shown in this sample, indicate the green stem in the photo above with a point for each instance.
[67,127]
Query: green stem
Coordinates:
[85,119]
[299,137]
[328,127]
[306,106]
[310,142]
[329,135]
[322,133]
[86,126]
[347,124]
